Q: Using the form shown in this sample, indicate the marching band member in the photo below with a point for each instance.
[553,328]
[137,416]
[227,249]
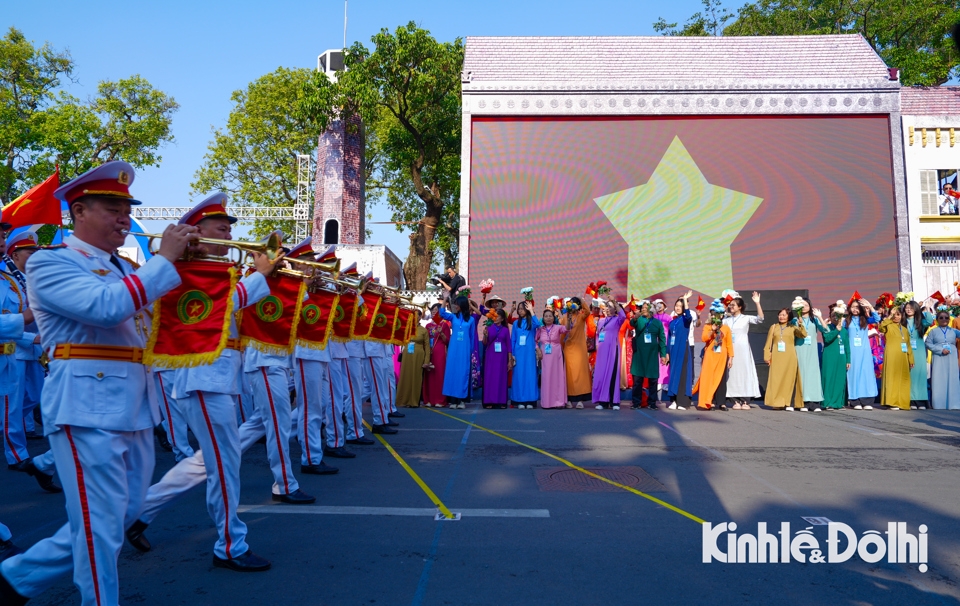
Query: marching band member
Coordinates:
[97,414]
[376,382]
[15,320]
[207,395]
[19,248]
[314,395]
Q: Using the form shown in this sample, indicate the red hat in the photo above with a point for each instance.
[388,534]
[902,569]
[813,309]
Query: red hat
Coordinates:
[112,179]
[303,249]
[212,206]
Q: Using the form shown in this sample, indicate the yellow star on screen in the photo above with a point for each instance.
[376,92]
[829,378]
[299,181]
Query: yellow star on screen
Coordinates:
[678,227]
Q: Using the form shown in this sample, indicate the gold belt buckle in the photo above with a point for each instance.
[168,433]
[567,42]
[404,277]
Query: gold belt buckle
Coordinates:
[9,349]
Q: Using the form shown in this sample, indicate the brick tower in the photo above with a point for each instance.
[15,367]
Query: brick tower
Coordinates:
[339,215]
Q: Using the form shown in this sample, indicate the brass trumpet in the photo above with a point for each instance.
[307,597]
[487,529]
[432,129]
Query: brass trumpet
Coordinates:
[271,248]
[331,268]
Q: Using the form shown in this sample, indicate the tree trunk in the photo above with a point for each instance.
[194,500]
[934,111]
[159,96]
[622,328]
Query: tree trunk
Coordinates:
[417,268]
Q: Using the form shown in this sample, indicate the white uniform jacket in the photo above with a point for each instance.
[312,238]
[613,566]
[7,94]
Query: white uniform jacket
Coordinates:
[11,328]
[80,297]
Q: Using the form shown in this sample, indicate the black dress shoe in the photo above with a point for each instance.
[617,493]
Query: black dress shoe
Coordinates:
[392,424]
[384,429]
[248,562]
[8,549]
[136,538]
[9,595]
[161,434]
[338,453]
[361,442]
[396,415]
[45,481]
[21,466]
[297,497]
[321,469]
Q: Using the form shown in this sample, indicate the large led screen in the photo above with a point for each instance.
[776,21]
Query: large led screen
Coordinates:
[658,205]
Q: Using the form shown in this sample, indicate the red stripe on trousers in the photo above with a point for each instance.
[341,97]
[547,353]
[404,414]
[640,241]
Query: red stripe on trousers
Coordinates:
[133,293]
[353,405]
[223,484]
[85,510]
[276,429]
[140,289]
[166,406]
[333,414]
[243,417]
[303,413]
[6,427]
[376,390]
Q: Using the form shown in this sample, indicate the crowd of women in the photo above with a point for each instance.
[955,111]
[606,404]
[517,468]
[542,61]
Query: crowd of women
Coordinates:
[895,354]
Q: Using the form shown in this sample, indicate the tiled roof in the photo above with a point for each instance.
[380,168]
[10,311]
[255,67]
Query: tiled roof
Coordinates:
[930,100]
[835,58]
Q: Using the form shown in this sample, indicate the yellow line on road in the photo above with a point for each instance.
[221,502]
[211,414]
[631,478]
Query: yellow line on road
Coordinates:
[423,485]
[578,468]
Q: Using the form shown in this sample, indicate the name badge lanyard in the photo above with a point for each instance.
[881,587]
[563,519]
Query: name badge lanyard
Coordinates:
[945,331]
[781,346]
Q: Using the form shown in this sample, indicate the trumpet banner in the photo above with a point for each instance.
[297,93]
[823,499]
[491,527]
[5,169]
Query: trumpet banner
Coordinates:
[344,317]
[270,325]
[191,323]
[383,323]
[316,319]
[404,326]
[366,314]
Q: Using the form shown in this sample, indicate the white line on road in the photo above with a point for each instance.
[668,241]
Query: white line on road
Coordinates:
[391,511]
[461,431]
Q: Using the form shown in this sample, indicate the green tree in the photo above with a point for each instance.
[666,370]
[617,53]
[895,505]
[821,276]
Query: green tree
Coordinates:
[254,158]
[913,35]
[407,93]
[708,22]
[41,125]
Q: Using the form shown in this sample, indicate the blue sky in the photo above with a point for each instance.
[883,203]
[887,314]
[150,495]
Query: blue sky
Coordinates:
[200,52]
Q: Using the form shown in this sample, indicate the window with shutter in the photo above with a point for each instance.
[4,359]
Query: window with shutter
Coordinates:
[928,193]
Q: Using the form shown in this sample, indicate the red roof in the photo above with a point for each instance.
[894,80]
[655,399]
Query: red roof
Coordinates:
[930,100]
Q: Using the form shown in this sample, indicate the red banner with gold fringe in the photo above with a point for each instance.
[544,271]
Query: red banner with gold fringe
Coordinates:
[270,325]
[383,323]
[344,316]
[403,328]
[191,323]
[366,314]
[316,319]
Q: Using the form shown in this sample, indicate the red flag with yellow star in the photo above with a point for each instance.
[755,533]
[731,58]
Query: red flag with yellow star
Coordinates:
[383,323]
[270,325]
[191,323]
[316,319]
[36,206]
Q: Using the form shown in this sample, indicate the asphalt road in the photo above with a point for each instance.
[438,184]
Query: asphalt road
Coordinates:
[372,538]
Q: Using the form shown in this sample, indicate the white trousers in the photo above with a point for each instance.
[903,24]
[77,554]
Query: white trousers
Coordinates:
[352,380]
[271,399]
[32,389]
[105,475]
[11,416]
[213,419]
[191,472]
[379,392]
[313,398]
[173,420]
[390,377]
[333,410]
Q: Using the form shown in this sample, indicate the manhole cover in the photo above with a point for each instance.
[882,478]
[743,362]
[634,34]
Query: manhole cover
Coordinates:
[565,479]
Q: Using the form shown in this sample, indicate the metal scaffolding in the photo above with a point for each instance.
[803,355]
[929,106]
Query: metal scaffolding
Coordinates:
[299,213]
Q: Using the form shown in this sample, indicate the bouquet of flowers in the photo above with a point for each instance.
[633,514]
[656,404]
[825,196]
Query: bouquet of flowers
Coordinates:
[486,286]
[839,309]
[527,293]
[490,317]
[797,305]
[903,297]
[886,300]
[464,291]
[570,307]
[602,289]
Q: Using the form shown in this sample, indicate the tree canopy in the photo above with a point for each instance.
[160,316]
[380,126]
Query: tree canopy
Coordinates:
[41,125]
[913,35]
[254,157]
[407,93]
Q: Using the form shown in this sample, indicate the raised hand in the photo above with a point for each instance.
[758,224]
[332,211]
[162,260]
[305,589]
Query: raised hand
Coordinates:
[756,297]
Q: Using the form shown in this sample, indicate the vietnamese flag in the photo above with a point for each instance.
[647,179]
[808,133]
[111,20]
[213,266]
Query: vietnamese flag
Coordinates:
[191,323]
[36,206]
[366,314]
[344,315]
[316,319]
[272,325]
[384,322]
[700,303]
